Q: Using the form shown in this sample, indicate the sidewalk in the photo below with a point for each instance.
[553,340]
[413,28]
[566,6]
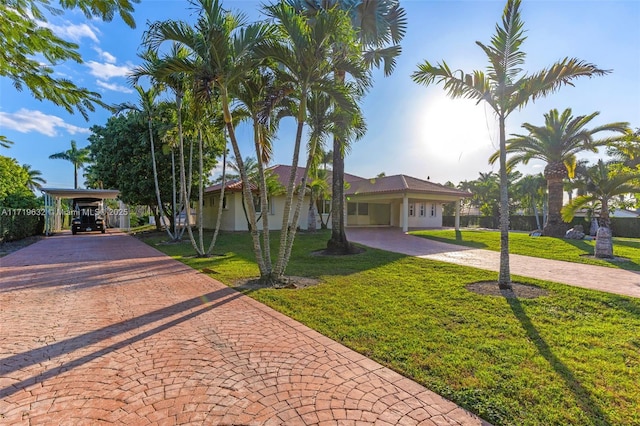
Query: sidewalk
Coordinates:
[103,329]
[612,280]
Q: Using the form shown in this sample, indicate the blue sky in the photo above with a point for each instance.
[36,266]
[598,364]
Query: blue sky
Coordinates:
[412,130]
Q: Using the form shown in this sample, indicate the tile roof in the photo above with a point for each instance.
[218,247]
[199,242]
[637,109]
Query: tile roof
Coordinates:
[359,185]
[282,172]
[401,184]
[234,185]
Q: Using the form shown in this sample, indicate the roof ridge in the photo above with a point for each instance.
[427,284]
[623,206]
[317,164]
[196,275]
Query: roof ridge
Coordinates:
[404,181]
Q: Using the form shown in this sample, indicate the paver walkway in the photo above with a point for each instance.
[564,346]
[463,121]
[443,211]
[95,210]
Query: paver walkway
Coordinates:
[103,329]
[612,280]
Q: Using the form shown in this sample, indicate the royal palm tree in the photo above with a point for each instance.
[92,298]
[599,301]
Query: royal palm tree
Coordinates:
[78,157]
[380,26]
[603,185]
[557,143]
[305,64]
[222,48]
[147,107]
[34,178]
[505,87]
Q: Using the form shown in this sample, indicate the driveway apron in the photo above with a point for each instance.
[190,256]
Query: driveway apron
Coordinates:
[103,329]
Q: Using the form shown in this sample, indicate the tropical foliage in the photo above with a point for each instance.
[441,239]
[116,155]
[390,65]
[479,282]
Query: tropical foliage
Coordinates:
[271,71]
[76,156]
[380,26]
[557,143]
[30,61]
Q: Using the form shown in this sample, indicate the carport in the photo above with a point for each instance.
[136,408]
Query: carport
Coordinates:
[53,211]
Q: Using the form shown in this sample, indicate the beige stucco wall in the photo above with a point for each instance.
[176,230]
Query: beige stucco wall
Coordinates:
[233,217]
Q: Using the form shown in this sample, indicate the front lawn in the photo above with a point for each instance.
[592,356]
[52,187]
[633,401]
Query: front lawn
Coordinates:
[569,358]
[578,251]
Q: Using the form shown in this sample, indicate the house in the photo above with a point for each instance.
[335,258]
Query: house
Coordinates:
[398,201]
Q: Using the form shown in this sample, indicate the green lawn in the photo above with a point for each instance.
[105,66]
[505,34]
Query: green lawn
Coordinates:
[569,358]
[546,247]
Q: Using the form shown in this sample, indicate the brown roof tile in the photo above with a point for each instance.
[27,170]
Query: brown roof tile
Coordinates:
[401,184]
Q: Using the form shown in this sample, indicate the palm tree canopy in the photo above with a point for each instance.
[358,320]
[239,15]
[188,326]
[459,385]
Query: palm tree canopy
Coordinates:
[74,155]
[559,140]
[380,25]
[34,177]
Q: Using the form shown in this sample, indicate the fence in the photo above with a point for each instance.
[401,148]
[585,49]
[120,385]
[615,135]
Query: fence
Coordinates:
[620,226]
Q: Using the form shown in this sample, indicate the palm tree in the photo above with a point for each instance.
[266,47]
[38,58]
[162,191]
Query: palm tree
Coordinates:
[147,107]
[380,26]
[627,149]
[224,51]
[557,143]
[304,64]
[163,72]
[532,190]
[34,178]
[602,186]
[505,88]
[78,157]
[4,142]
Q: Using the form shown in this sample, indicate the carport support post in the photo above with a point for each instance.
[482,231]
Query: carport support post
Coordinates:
[457,224]
[405,213]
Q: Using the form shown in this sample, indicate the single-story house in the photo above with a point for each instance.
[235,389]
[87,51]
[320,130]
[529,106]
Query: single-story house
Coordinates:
[398,201]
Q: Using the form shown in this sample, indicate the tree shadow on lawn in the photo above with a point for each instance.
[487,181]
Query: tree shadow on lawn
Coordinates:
[459,240]
[582,396]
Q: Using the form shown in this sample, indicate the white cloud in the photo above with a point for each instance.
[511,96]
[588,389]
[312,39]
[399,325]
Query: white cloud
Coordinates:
[114,87]
[72,32]
[27,121]
[108,70]
[106,56]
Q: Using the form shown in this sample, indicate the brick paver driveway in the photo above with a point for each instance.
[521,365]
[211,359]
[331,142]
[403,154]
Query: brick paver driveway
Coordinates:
[102,329]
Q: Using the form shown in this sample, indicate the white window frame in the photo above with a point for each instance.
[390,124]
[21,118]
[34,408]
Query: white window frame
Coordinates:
[422,209]
[412,209]
[434,210]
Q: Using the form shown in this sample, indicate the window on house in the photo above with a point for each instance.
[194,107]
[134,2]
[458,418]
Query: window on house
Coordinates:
[363,209]
[412,209]
[224,202]
[433,210]
[422,210]
[352,209]
[326,206]
[257,203]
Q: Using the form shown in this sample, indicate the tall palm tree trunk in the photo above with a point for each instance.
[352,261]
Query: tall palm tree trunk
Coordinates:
[155,178]
[220,204]
[288,226]
[338,244]
[183,180]
[264,199]
[299,201]
[174,190]
[504,278]
[555,173]
[265,269]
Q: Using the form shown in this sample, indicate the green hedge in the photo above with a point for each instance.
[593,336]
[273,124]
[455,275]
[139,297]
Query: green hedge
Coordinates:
[628,227]
[17,227]
[20,217]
